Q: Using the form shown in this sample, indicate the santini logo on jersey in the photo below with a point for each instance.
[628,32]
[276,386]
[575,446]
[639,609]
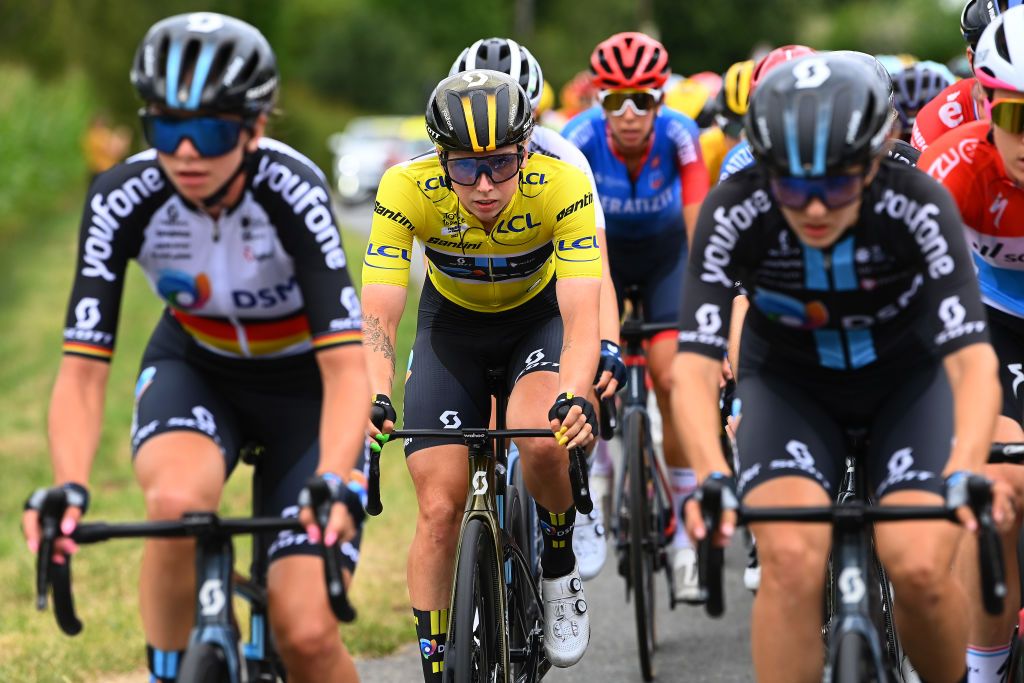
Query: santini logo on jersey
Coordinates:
[454,245]
[586,200]
[396,216]
[120,202]
[729,222]
[310,201]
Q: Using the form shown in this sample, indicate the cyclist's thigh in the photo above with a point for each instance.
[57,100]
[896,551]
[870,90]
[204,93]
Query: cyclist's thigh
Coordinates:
[911,435]
[532,374]
[784,432]
[184,434]
[446,385]
[664,277]
[909,445]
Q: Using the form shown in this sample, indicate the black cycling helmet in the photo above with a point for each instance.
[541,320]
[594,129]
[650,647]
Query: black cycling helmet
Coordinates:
[206,61]
[978,14]
[817,115]
[478,111]
[507,56]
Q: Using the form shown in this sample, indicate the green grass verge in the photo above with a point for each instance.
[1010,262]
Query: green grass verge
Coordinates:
[37,270]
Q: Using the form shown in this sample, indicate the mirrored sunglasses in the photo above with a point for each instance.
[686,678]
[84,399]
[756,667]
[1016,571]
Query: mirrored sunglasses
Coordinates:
[833,191]
[497,167]
[210,135]
[615,102]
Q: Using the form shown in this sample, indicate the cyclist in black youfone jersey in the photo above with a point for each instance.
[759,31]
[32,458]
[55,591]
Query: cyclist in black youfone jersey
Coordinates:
[260,335]
[864,313]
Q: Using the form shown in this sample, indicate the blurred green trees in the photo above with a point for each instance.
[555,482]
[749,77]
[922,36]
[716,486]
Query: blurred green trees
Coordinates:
[386,55]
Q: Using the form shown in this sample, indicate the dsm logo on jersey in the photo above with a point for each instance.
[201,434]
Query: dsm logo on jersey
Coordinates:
[580,249]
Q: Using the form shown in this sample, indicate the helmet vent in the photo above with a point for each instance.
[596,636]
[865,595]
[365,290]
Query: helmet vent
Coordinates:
[1001,46]
[220,63]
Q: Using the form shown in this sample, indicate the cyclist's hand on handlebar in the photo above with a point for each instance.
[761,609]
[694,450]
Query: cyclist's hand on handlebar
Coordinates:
[78,503]
[347,511]
[382,415]
[694,518]
[958,497]
[573,420]
[611,371]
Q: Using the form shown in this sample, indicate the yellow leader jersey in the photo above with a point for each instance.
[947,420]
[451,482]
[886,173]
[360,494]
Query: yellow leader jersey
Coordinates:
[546,231]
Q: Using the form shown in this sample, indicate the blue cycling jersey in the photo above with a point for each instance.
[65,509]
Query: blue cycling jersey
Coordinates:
[738,158]
[673,174]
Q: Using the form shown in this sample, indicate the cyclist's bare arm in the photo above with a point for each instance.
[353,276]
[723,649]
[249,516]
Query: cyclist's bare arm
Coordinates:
[383,306]
[690,213]
[740,304]
[609,317]
[345,410]
[581,346]
[977,398]
[74,424]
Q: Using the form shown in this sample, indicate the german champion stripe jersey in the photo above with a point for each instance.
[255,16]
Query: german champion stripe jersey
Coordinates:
[266,278]
[547,230]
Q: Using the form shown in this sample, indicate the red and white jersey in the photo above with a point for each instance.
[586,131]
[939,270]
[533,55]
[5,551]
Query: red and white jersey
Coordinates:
[953,107]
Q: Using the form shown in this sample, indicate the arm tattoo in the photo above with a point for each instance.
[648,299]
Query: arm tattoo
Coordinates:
[377,338]
[566,346]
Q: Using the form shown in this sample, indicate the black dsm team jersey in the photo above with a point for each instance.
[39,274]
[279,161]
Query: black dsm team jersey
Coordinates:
[896,289]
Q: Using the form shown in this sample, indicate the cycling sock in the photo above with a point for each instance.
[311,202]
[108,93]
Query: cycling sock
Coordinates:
[163,664]
[432,630]
[984,663]
[557,558]
[602,461]
[683,482]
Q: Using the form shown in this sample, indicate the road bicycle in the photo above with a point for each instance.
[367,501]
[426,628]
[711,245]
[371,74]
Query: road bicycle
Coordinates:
[496,622]
[860,637]
[215,652]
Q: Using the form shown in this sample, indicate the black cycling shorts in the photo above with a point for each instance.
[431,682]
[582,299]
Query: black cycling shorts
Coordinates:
[656,265]
[274,402]
[1006,332]
[446,384]
[789,429]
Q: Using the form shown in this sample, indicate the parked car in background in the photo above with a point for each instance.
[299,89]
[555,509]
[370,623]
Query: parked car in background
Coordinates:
[367,147]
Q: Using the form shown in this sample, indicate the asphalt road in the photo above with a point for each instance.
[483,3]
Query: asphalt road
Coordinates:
[692,647]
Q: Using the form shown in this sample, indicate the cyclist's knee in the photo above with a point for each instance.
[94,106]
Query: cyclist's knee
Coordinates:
[167,501]
[919,577]
[311,638]
[439,518]
[789,561]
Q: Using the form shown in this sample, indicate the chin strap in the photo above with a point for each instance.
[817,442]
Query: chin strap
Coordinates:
[218,196]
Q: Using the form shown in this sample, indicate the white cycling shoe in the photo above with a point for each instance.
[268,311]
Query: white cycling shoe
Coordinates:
[589,543]
[566,619]
[686,577]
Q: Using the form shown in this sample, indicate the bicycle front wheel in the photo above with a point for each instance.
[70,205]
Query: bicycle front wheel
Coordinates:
[204,663]
[852,662]
[473,648]
[642,544]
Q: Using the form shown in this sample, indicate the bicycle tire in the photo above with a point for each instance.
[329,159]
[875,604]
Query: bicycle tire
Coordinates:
[641,545]
[204,663]
[852,663]
[522,608]
[471,654]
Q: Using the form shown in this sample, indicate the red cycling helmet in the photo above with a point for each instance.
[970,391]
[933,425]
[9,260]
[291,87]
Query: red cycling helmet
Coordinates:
[629,60]
[779,55]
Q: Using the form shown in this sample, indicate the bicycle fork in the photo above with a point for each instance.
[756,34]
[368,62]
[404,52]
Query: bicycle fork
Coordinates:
[215,563]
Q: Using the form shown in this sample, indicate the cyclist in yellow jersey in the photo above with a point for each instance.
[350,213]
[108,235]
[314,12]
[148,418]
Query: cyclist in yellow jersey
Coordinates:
[717,141]
[514,278]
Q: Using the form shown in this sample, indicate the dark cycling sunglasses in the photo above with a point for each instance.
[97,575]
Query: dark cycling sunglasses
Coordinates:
[615,102]
[498,167]
[834,191]
[210,135]
[1008,114]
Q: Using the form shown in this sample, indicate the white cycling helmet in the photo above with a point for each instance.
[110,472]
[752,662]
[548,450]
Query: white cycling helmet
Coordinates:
[999,59]
[507,56]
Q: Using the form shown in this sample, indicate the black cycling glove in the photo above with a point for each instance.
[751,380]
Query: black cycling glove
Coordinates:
[565,402]
[611,361]
[351,495]
[382,411]
[77,496]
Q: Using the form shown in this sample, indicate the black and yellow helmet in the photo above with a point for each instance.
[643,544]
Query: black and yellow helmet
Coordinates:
[735,94]
[478,111]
